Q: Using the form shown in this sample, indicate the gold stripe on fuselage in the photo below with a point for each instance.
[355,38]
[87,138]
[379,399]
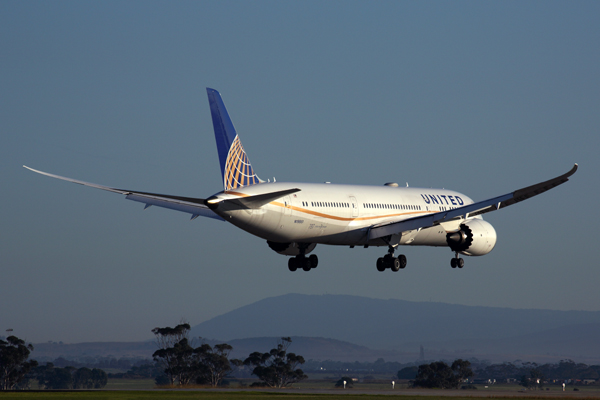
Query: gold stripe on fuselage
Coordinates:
[335,217]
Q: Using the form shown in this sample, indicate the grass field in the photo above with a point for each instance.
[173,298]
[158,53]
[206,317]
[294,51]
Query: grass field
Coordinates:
[247,395]
[142,389]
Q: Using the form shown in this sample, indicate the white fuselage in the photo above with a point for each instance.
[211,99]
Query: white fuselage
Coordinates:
[340,214]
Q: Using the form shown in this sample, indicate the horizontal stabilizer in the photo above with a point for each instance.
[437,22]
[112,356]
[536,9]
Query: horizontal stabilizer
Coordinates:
[250,202]
[471,210]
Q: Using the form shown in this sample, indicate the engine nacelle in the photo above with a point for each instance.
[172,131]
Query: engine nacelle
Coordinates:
[475,238]
[290,249]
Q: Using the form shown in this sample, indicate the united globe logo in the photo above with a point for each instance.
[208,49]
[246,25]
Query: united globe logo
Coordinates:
[238,171]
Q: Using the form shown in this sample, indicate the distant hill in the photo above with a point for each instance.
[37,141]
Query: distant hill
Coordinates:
[315,348]
[402,326]
[353,328]
[308,347]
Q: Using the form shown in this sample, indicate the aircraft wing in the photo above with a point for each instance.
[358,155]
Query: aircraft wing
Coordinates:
[190,205]
[469,210]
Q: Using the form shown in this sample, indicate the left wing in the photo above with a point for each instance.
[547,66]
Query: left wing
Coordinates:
[190,205]
[470,210]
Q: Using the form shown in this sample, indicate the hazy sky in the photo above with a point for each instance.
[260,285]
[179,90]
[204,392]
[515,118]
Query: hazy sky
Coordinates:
[480,97]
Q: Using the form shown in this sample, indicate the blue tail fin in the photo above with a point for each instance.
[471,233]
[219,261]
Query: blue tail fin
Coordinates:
[235,166]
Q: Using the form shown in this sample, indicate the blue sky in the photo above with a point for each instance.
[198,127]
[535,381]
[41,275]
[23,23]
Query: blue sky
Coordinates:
[480,97]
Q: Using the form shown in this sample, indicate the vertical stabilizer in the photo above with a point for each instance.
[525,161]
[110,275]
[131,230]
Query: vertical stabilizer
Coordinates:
[235,166]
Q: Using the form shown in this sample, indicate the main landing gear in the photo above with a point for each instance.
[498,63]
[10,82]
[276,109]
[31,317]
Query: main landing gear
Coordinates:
[301,261]
[391,262]
[457,261]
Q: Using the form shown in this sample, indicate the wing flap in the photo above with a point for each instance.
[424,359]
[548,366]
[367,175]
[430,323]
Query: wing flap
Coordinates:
[469,210]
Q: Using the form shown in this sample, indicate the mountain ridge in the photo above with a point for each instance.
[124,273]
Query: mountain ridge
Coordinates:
[356,328]
[398,325]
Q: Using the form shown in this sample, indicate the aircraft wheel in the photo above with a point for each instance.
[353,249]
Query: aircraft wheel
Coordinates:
[292,266]
[460,262]
[453,262]
[306,264]
[303,262]
[403,261]
[388,261]
[314,260]
[380,264]
[395,265]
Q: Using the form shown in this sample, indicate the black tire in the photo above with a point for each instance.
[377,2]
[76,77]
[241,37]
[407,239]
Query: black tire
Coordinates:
[292,265]
[453,263]
[388,261]
[306,264]
[380,265]
[403,261]
[314,260]
[460,263]
[395,265]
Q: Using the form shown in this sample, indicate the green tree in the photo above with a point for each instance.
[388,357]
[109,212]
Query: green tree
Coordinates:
[51,377]
[99,378]
[462,370]
[535,380]
[185,364]
[179,362]
[82,379]
[213,363]
[277,368]
[13,361]
[169,356]
[440,375]
[435,375]
[85,378]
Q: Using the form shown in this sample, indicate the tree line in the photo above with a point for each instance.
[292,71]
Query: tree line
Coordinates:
[563,370]
[123,363]
[179,362]
[438,374]
[51,377]
[184,364]
[16,371]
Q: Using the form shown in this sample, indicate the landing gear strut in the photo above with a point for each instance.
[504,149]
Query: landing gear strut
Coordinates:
[301,261]
[457,261]
[391,262]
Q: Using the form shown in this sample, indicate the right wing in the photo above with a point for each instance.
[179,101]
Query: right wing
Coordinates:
[190,205]
[470,210]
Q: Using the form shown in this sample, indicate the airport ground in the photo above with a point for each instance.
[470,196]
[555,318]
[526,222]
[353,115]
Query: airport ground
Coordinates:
[142,389]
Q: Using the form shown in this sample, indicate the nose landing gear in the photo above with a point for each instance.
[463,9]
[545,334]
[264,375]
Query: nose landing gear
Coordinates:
[457,261]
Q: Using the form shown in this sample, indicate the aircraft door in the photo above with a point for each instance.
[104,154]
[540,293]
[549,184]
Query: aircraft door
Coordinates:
[287,206]
[354,206]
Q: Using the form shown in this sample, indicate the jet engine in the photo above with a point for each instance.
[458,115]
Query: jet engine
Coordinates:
[291,249]
[474,238]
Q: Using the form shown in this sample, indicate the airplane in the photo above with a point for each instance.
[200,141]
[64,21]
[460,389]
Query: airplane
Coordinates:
[294,217]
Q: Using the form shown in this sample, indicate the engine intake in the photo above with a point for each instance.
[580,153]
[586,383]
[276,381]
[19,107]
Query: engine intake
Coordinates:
[460,240]
[476,237]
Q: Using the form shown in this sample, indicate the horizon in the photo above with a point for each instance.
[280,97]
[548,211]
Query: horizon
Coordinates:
[325,294]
